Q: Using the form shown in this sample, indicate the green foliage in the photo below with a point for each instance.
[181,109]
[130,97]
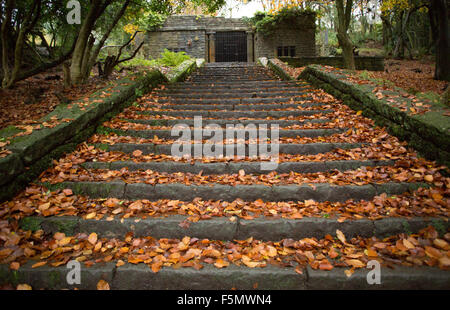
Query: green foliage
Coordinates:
[365,75]
[266,23]
[429,96]
[139,62]
[360,39]
[172,59]
[169,7]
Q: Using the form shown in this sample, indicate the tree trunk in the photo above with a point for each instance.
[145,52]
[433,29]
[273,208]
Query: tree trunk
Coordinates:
[85,54]
[399,50]
[66,71]
[445,99]
[387,32]
[344,17]
[439,11]
[5,41]
[92,59]
[76,68]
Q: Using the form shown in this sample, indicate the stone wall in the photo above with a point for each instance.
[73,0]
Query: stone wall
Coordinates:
[362,62]
[193,42]
[301,34]
[188,33]
[428,133]
[195,35]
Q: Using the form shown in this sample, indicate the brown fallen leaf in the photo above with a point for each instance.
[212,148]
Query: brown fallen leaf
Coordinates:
[24,287]
[341,236]
[93,238]
[120,263]
[102,285]
[39,264]
[220,263]
[355,263]
[14,266]
[349,272]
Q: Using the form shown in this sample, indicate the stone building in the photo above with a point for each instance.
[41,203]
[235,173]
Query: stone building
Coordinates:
[219,39]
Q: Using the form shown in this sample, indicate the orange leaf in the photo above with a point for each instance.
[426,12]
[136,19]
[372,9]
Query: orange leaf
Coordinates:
[220,263]
[341,236]
[92,238]
[102,285]
[39,264]
[14,266]
[24,287]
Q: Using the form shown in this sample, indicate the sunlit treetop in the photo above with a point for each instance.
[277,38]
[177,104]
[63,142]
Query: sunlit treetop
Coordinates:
[273,6]
[389,6]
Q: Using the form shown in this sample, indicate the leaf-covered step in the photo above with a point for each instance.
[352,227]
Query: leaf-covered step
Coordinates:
[233,100]
[167,134]
[224,122]
[240,114]
[220,94]
[235,107]
[316,192]
[304,149]
[228,228]
[235,167]
[236,84]
[179,91]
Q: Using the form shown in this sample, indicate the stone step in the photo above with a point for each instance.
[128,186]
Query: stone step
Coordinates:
[236,107]
[241,114]
[231,100]
[235,167]
[230,79]
[229,91]
[318,192]
[292,148]
[291,133]
[236,75]
[141,277]
[222,228]
[224,95]
[234,84]
[223,122]
[274,86]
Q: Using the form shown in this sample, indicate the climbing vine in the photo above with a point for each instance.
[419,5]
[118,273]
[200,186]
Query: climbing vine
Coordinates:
[266,23]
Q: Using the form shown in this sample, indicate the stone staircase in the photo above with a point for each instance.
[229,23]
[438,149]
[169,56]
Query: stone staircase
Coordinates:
[319,141]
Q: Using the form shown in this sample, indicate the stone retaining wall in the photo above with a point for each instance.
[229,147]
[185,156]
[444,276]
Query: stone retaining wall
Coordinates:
[428,133]
[361,62]
[33,153]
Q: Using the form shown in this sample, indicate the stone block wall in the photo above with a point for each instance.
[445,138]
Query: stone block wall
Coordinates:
[361,62]
[191,41]
[300,33]
[191,34]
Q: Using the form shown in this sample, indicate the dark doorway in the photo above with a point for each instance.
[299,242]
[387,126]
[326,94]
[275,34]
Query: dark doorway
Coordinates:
[231,46]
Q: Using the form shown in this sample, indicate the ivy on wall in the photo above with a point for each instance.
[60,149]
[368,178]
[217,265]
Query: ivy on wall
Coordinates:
[266,24]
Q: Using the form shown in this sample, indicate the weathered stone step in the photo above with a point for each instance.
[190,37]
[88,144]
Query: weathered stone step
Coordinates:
[141,277]
[218,94]
[234,84]
[318,192]
[234,70]
[234,88]
[223,122]
[290,133]
[222,228]
[237,107]
[223,75]
[230,79]
[230,91]
[235,167]
[232,100]
[303,149]
[241,114]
